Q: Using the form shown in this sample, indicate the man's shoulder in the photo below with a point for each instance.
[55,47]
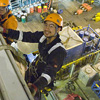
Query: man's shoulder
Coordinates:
[57,47]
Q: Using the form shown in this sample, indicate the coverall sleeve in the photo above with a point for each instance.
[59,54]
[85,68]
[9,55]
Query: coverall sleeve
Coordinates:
[55,62]
[24,36]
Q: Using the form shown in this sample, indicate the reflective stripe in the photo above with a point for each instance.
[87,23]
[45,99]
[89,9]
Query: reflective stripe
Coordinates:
[42,38]
[47,77]
[20,36]
[55,46]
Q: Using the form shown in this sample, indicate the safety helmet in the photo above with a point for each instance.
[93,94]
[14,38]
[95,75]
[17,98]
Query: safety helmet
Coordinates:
[56,18]
[4,3]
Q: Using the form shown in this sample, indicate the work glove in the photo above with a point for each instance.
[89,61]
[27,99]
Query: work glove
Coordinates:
[32,88]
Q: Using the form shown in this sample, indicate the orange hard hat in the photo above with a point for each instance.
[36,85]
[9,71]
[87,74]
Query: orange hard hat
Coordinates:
[56,18]
[4,3]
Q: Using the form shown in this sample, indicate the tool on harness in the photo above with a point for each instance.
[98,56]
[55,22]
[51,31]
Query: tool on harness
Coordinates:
[32,70]
[40,59]
[31,73]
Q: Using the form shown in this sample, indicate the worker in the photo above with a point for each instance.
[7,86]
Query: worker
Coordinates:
[7,19]
[51,51]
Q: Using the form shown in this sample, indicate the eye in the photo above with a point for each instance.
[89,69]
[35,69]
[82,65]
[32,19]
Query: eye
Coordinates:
[45,25]
[51,25]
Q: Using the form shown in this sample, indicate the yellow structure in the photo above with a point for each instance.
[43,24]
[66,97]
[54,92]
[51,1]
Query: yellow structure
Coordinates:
[97,15]
[77,28]
[96,19]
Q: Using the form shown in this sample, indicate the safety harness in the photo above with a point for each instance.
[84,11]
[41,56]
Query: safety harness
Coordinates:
[33,69]
[40,58]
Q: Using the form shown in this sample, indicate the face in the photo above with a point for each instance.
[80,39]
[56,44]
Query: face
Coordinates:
[2,10]
[49,29]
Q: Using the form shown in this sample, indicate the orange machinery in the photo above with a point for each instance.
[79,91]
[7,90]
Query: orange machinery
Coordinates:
[79,11]
[86,7]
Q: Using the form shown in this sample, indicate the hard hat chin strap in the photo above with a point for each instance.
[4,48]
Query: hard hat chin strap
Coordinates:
[56,30]
[7,9]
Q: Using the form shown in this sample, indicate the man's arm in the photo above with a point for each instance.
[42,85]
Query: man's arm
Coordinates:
[22,36]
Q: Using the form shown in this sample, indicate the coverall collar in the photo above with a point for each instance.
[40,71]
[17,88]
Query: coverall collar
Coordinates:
[57,39]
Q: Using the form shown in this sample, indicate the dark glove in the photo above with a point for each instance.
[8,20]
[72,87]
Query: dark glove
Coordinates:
[32,88]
